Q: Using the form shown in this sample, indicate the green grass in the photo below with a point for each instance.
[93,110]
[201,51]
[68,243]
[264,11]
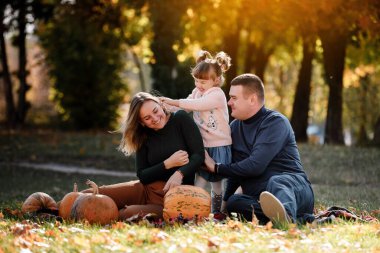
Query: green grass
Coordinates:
[87,149]
[344,176]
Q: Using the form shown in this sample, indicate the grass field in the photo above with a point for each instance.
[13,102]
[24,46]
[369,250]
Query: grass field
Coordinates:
[344,176]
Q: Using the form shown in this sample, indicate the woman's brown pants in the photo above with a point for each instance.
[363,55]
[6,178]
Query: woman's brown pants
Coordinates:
[135,198]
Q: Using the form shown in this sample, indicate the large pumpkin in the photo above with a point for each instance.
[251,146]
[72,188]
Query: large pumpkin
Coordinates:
[95,207]
[187,200]
[38,201]
[67,202]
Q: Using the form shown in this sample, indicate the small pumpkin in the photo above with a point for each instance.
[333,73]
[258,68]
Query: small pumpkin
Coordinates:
[94,207]
[67,202]
[188,200]
[38,201]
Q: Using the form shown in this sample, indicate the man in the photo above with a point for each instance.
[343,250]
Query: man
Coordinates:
[265,160]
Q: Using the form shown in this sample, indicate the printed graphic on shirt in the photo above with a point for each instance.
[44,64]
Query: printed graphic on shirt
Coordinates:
[212,123]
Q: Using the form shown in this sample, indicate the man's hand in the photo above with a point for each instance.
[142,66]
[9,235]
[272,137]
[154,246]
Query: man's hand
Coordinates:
[177,159]
[174,180]
[210,163]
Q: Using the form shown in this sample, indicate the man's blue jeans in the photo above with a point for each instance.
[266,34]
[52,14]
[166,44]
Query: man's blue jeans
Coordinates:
[293,191]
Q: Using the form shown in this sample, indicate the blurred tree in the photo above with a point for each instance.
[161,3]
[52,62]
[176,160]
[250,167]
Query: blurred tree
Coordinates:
[266,29]
[166,20]
[20,7]
[20,14]
[83,46]
[301,104]
[376,138]
[303,19]
[136,29]
[345,17]
[244,29]
[167,27]
[362,92]
[9,102]
[214,26]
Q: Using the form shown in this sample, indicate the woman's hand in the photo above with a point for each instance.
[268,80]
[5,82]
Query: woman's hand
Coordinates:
[174,180]
[177,159]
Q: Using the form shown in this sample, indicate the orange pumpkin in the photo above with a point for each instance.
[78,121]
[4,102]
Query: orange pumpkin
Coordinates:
[38,201]
[188,200]
[95,207]
[67,202]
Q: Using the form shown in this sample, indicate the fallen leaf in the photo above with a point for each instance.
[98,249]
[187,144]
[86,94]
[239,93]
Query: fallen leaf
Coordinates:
[41,244]
[118,225]
[269,225]
[20,229]
[236,225]
[159,236]
[76,230]
[254,221]
[1,215]
[294,231]
[50,233]
[26,250]
[214,241]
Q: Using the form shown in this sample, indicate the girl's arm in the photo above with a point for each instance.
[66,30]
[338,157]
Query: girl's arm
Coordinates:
[212,100]
[169,101]
[174,103]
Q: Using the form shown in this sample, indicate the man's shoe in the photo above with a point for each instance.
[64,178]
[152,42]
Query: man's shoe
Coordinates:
[273,208]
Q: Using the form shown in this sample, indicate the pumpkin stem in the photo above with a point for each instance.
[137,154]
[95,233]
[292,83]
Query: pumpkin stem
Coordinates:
[94,186]
[75,189]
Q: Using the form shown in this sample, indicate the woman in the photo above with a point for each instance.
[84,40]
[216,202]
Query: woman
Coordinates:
[169,150]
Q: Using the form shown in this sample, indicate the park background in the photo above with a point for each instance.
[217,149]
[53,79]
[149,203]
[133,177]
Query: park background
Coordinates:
[75,64]
[69,68]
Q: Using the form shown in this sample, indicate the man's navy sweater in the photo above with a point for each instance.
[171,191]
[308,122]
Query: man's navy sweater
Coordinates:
[262,146]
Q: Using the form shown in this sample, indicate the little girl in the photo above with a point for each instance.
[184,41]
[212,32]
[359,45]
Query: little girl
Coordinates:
[209,106]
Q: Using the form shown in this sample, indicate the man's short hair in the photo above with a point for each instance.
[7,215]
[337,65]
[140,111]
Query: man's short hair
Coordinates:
[251,84]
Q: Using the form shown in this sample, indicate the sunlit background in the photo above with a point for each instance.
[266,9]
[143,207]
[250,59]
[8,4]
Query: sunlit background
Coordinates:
[83,60]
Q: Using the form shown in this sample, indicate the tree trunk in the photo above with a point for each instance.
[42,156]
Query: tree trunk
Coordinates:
[23,105]
[166,18]
[9,103]
[362,136]
[249,57]
[261,61]
[141,73]
[300,112]
[334,51]
[257,59]
[376,137]
[231,42]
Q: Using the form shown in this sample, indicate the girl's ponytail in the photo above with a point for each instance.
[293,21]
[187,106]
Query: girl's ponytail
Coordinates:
[202,56]
[223,60]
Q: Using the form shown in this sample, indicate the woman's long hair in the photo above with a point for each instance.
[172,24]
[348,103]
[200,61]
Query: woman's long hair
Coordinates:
[134,134]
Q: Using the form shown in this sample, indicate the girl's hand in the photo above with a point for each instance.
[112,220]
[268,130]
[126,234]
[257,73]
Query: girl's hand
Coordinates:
[174,180]
[210,163]
[177,159]
[169,101]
